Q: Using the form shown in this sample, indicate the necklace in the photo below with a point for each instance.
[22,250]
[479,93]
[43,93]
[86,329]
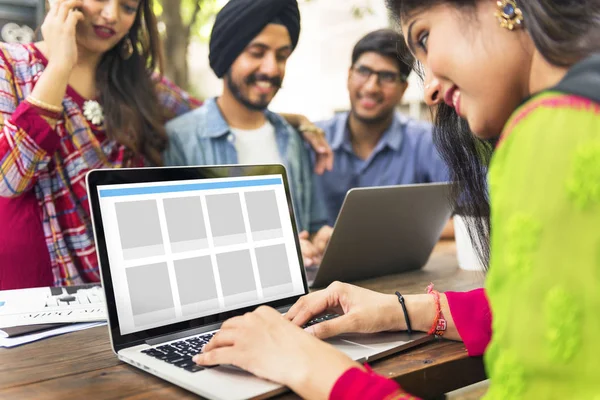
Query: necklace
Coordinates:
[92,110]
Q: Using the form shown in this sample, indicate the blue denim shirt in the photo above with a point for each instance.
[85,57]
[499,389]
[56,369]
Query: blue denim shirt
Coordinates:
[405,154]
[202,137]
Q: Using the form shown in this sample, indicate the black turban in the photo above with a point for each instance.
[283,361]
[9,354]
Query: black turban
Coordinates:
[240,21]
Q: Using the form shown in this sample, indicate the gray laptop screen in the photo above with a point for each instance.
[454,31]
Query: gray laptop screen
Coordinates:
[181,250]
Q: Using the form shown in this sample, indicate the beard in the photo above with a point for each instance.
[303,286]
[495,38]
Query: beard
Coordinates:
[236,89]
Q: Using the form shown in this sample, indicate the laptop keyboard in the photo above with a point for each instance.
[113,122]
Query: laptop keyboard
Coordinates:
[320,319]
[180,353]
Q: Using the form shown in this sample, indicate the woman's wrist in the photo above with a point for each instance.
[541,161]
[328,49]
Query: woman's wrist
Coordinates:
[52,85]
[421,311]
[392,315]
[59,70]
[316,380]
[292,119]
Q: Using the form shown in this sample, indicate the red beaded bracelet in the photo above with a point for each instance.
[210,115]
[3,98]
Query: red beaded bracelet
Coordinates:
[439,325]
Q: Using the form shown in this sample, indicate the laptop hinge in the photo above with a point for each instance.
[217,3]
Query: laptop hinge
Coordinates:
[195,331]
[182,334]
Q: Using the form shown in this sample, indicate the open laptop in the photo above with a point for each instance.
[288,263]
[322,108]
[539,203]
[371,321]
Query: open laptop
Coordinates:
[384,230]
[183,249]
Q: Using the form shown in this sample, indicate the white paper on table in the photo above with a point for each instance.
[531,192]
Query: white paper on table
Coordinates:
[33,337]
[40,306]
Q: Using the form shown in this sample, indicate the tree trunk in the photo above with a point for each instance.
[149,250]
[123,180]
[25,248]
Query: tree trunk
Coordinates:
[176,44]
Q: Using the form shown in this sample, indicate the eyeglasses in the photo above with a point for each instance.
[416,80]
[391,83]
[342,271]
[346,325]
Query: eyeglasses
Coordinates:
[388,78]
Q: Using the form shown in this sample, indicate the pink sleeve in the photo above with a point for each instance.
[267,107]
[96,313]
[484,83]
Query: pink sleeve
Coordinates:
[27,143]
[356,384]
[473,319]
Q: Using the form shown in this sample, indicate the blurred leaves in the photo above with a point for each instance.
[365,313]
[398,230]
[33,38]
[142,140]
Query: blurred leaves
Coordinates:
[200,20]
[359,12]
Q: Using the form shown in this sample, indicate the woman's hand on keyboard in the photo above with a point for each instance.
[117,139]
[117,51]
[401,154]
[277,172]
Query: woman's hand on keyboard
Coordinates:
[266,344]
[361,311]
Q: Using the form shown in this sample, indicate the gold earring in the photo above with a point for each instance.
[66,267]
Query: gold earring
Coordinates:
[509,15]
[126,49]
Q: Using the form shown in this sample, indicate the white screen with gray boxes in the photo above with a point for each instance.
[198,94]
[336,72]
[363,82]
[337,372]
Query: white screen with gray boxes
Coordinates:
[189,249]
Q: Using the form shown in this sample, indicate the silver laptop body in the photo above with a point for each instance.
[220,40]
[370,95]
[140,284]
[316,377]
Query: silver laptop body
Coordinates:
[183,249]
[383,230]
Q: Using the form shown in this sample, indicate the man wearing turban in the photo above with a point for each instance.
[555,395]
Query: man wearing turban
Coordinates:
[250,44]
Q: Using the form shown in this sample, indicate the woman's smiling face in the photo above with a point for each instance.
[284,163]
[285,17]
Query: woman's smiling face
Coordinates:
[471,62]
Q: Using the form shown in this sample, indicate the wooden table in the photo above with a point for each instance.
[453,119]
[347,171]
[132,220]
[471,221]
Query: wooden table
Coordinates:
[80,365]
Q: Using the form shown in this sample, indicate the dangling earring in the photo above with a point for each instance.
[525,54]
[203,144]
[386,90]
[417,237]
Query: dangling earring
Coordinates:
[126,49]
[509,15]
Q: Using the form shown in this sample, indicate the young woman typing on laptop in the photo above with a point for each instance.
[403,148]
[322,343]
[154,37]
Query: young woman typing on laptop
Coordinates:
[90,95]
[525,74]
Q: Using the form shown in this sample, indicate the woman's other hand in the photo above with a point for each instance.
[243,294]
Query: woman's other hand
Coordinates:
[315,137]
[361,310]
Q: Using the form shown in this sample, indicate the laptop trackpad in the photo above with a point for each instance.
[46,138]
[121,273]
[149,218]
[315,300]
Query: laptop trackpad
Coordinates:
[352,350]
[362,347]
[380,341]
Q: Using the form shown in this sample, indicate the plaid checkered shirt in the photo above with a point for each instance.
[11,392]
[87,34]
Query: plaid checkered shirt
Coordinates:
[51,158]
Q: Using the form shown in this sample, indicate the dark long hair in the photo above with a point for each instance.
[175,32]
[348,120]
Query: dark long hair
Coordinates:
[132,114]
[564,33]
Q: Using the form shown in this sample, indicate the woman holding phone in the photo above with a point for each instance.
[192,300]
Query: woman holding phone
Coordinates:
[90,95]
[85,97]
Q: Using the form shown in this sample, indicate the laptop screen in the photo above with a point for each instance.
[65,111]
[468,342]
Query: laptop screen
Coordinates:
[181,250]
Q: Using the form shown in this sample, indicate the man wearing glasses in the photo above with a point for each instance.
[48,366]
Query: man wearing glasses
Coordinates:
[373,144]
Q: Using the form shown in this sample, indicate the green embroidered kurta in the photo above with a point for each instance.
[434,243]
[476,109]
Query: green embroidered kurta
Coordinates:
[544,279]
